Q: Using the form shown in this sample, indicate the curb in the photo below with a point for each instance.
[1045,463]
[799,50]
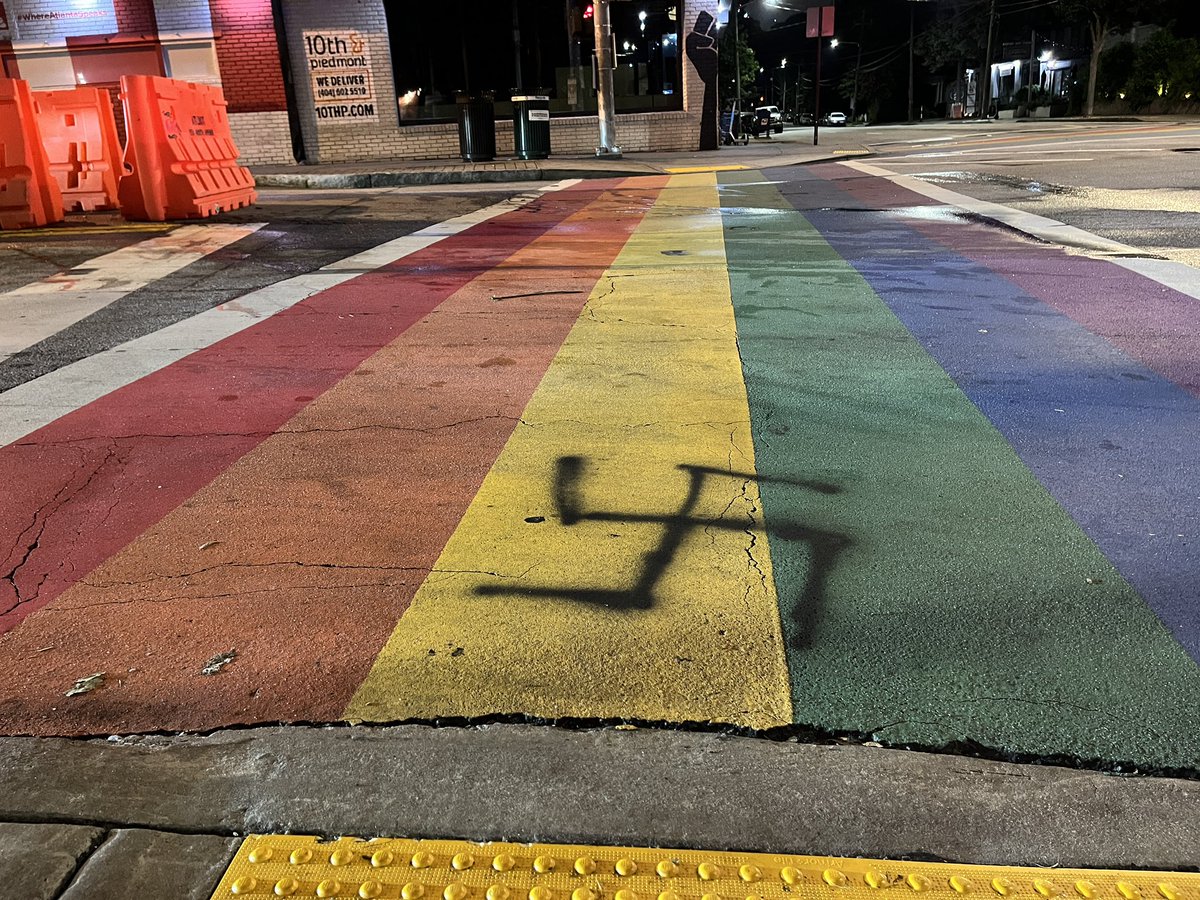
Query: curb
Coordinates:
[435,176]
[680,789]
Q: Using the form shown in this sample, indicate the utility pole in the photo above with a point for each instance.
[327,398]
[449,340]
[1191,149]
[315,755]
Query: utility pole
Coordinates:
[1032,60]
[987,65]
[605,63]
[854,93]
[817,84]
[910,59]
[783,88]
[736,126]
[516,31]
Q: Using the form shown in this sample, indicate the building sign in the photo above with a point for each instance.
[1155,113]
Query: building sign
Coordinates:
[339,69]
[39,21]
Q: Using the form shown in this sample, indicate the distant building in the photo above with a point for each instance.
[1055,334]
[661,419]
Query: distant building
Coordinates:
[347,80]
[1053,76]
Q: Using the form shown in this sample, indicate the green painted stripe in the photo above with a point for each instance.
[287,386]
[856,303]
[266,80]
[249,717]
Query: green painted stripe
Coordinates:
[932,591]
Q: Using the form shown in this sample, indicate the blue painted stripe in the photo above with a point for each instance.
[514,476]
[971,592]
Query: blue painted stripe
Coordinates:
[1114,442]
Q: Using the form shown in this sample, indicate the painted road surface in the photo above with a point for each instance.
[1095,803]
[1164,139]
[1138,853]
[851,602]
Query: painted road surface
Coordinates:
[791,449]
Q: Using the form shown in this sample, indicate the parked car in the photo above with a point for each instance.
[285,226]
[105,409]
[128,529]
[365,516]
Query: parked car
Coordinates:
[768,119]
[836,118]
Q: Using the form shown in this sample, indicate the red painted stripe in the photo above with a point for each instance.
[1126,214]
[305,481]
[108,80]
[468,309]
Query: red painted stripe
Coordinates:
[84,486]
[327,529]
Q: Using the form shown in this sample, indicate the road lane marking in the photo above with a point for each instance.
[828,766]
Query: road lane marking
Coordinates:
[691,170]
[33,312]
[1171,274]
[1039,226]
[613,563]
[62,230]
[36,403]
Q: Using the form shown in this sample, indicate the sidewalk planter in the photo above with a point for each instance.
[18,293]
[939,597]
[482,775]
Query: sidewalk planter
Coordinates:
[531,126]
[1053,111]
[476,127]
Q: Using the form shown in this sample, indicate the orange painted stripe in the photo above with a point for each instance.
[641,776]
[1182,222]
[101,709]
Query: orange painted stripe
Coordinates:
[304,553]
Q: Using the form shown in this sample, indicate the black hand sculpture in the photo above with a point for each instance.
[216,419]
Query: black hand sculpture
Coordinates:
[701,46]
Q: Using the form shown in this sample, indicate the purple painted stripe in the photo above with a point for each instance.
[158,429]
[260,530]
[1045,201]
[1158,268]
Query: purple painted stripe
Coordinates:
[1157,326]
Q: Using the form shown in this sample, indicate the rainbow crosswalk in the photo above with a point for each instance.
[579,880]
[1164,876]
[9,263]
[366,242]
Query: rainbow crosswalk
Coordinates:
[760,449]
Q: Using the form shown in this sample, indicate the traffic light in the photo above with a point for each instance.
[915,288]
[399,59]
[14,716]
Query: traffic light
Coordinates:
[589,11]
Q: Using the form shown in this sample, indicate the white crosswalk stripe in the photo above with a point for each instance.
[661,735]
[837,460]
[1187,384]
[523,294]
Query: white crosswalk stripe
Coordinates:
[34,312]
[34,404]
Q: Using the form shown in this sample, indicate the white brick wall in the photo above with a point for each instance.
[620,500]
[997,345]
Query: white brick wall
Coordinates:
[39,21]
[262,137]
[185,17]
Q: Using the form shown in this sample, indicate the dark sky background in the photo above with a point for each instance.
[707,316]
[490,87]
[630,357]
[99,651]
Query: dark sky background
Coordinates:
[776,31]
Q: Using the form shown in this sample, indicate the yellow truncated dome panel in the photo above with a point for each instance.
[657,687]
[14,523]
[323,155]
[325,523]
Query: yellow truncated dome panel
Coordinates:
[300,866]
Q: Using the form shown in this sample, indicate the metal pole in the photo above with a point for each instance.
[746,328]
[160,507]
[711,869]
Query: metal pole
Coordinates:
[605,63]
[854,93]
[910,60]
[737,63]
[987,65]
[1029,75]
[516,31]
[817,84]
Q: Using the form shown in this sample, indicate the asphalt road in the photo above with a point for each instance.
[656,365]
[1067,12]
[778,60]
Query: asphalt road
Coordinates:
[1133,182]
[804,454]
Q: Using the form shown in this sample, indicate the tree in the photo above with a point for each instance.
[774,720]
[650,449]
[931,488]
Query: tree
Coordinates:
[874,86]
[746,59]
[958,34]
[1165,67]
[1116,65]
[1103,17]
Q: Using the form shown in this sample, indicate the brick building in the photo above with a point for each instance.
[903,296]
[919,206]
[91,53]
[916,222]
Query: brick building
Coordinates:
[326,81]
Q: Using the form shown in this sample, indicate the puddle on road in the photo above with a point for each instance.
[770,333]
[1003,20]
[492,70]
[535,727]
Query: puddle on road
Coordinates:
[1011,181]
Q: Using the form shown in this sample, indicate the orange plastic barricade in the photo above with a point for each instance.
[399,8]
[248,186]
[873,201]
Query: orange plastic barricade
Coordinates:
[180,159]
[29,195]
[79,132]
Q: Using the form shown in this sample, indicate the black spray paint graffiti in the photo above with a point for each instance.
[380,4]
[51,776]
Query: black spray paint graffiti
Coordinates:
[701,45]
[824,546]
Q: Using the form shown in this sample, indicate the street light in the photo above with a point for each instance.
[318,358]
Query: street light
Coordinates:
[836,42]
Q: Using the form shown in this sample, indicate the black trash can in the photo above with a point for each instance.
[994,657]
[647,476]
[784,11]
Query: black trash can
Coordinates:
[531,126]
[476,127]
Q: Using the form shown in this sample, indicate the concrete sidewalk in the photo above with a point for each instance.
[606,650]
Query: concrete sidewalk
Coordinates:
[780,151]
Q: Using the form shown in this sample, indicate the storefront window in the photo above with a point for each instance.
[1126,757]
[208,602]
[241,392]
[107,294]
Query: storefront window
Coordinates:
[439,49]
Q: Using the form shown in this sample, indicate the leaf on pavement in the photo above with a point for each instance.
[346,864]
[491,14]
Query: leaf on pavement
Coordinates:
[86,685]
[218,662]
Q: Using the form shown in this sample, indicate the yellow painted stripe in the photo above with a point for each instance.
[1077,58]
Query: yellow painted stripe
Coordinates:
[69,229]
[388,869]
[539,617]
[691,170]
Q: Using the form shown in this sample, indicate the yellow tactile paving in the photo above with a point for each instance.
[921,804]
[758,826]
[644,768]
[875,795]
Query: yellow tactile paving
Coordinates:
[613,563]
[688,170]
[301,866]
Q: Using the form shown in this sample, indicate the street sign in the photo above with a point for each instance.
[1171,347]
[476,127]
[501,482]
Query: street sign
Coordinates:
[820,22]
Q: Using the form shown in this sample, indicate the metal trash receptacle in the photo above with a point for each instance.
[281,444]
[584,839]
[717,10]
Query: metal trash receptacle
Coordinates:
[476,127]
[531,126]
